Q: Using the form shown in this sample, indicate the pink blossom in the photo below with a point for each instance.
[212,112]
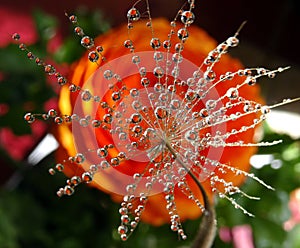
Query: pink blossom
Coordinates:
[294,206]
[12,21]
[241,236]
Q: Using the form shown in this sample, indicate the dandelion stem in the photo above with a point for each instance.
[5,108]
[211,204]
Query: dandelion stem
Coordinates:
[207,228]
[240,28]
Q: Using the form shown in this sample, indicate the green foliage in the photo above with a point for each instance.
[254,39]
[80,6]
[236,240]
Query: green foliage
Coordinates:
[272,210]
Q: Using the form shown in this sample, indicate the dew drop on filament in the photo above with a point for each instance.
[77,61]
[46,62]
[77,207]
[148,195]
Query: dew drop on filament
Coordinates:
[87,42]
[16,36]
[133,14]
[183,34]
[187,17]
[161,112]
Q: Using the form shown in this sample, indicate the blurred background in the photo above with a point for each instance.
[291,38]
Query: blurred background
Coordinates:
[30,213]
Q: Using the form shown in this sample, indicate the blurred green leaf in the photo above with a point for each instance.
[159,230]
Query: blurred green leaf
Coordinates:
[46,24]
[69,51]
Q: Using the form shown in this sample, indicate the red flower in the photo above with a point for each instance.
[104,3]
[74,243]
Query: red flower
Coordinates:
[198,45]
[294,206]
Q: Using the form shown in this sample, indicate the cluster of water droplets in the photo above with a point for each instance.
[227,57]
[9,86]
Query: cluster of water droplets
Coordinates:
[167,123]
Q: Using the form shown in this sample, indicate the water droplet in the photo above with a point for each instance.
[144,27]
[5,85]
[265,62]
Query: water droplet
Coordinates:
[158,56]
[86,95]
[38,61]
[78,31]
[99,49]
[142,71]
[30,55]
[145,81]
[125,218]
[79,158]
[52,113]
[204,113]
[114,161]
[60,192]
[73,18]
[133,14]
[191,135]
[183,34]
[102,153]
[16,36]
[72,88]
[123,237]
[133,224]
[87,177]
[175,104]
[187,17]
[134,92]
[172,88]
[61,81]
[93,168]
[209,75]
[51,171]
[167,44]
[175,72]
[83,122]
[49,69]
[123,136]
[232,93]
[22,47]
[108,118]
[116,96]
[128,44]
[108,74]
[136,118]
[163,97]
[29,118]
[179,47]
[59,167]
[136,59]
[104,164]
[158,72]
[190,95]
[96,123]
[75,180]
[130,25]
[68,190]
[93,56]
[45,116]
[155,43]
[158,87]
[265,110]
[161,112]
[58,120]
[87,42]
[251,81]
[121,155]
[211,104]
[130,188]
[232,41]
[122,229]
[261,71]
[271,74]
[177,57]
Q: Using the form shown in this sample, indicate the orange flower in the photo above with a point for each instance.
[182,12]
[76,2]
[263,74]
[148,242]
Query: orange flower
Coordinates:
[223,163]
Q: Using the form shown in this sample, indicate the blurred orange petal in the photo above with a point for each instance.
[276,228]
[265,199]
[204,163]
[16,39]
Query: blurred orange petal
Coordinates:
[196,48]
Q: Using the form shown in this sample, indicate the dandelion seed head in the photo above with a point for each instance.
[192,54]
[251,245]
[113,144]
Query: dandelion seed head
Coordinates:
[147,121]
